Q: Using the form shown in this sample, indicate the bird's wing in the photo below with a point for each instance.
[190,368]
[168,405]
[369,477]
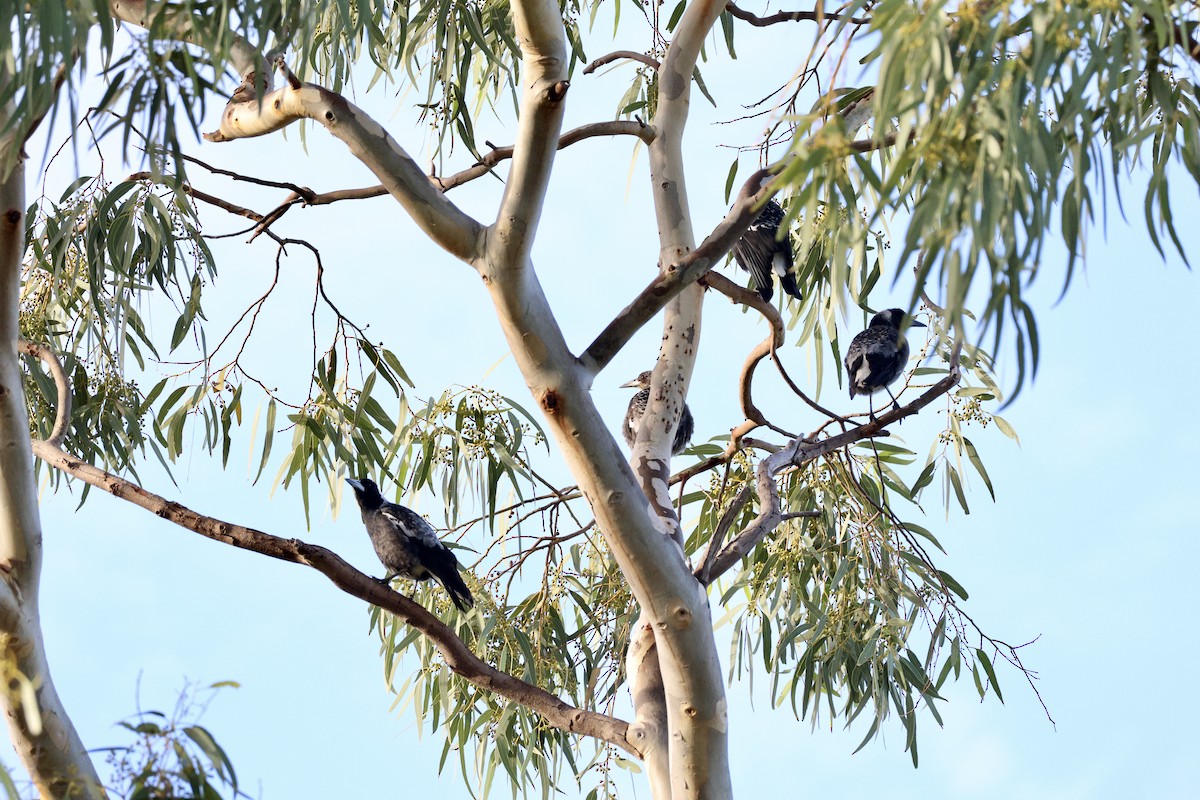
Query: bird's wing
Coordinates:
[430,552]
[411,525]
[754,253]
[875,359]
[633,416]
[854,362]
[785,268]
[683,434]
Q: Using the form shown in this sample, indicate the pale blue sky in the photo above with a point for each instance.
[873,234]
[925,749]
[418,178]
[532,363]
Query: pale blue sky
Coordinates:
[1090,544]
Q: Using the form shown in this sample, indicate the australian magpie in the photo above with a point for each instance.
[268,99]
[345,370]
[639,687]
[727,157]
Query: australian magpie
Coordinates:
[761,249]
[878,355]
[637,407]
[407,545]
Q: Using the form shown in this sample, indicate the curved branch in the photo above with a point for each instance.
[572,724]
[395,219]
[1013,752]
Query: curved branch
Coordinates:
[742,295]
[611,128]
[617,55]
[813,404]
[816,15]
[62,415]
[302,195]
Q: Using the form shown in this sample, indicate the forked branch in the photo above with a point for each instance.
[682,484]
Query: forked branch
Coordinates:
[799,452]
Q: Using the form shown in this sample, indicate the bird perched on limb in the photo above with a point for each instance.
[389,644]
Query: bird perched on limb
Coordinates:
[637,407]
[877,356]
[761,250]
[407,545]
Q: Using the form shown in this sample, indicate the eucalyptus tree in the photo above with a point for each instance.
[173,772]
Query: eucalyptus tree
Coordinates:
[982,131]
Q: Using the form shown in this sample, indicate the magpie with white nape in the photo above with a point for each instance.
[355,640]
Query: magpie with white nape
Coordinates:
[877,356]
[407,545]
[761,250]
[637,407]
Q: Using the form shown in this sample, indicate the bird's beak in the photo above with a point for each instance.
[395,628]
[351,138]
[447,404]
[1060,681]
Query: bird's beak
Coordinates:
[631,385]
[355,484]
[915,324]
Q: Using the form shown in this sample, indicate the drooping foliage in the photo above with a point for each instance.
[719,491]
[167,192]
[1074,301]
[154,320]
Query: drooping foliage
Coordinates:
[990,130]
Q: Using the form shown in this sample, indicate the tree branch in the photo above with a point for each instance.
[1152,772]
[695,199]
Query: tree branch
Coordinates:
[457,655]
[543,41]
[440,219]
[304,195]
[484,165]
[680,273]
[742,295]
[816,15]
[62,414]
[649,728]
[617,55]
[687,268]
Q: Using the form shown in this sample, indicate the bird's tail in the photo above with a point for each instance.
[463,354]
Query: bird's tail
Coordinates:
[788,281]
[460,595]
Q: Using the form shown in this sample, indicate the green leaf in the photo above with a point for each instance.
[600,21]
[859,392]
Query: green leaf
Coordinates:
[991,674]
[956,482]
[973,455]
[1006,428]
[952,584]
[673,20]
[268,440]
[205,741]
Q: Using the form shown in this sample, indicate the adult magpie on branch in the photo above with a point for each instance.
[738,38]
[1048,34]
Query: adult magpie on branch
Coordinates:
[761,249]
[407,545]
[637,407]
[878,355]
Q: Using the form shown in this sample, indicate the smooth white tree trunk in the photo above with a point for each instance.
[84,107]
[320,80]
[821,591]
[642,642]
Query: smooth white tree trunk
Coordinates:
[42,734]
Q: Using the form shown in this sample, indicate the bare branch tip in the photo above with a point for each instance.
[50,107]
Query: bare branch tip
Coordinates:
[558,92]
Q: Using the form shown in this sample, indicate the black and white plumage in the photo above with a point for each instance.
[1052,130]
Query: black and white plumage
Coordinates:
[637,407]
[407,545]
[877,356]
[760,251]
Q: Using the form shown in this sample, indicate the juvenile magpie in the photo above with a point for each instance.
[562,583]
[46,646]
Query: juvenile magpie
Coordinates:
[637,407]
[878,355]
[407,545]
[760,249]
